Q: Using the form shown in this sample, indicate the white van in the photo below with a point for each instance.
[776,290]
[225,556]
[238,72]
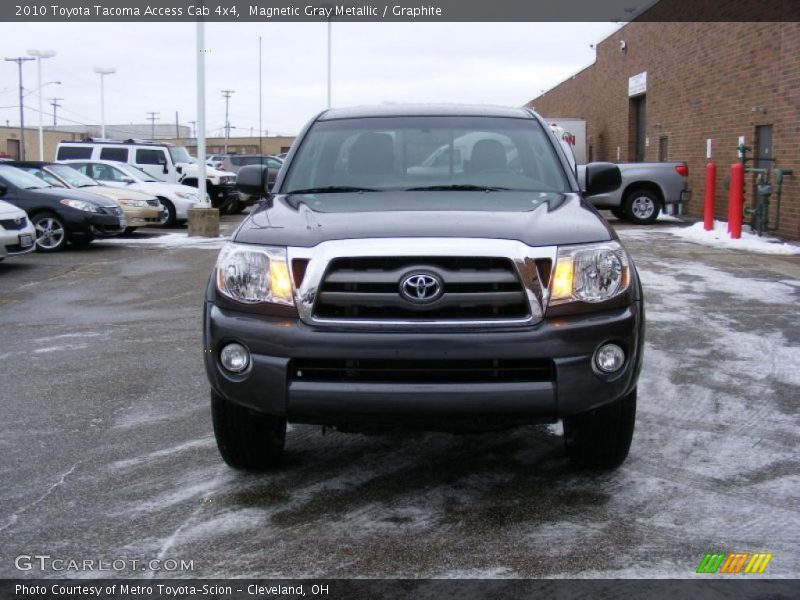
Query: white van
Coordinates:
[165,162]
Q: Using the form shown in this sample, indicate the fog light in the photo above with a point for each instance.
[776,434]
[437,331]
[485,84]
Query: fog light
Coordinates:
[609,358]
[235,358]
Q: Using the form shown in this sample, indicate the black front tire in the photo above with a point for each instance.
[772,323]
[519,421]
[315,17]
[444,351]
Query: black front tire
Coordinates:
[170,222]
[601,438]
[51,232]
[247,440]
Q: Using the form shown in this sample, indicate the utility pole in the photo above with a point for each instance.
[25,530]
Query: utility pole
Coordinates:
[39,55]
[55,106]
[177,128]
[103,71]
[227,95]
[19,60]
[152,117]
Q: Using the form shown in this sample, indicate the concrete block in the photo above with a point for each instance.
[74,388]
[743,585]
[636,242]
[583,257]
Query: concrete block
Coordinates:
[203,222]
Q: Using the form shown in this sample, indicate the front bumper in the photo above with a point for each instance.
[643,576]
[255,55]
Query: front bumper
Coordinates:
[17,241]
[268,385]
[143,217]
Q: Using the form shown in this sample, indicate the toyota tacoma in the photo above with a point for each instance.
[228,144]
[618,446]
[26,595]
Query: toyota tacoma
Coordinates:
[424,267]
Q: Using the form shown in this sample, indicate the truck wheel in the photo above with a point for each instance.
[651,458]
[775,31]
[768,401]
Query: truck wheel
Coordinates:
[619,213]
[247,440]
[234,207]
[601,438]
[641,207]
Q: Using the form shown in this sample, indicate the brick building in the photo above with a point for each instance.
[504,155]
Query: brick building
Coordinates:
[659,91]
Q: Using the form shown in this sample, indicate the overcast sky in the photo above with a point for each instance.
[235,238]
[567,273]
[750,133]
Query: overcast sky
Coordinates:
[496,63]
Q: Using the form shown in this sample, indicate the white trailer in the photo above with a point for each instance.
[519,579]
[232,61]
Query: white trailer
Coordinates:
[574,134]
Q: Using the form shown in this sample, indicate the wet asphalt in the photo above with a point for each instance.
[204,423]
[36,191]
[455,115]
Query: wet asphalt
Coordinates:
[108,451]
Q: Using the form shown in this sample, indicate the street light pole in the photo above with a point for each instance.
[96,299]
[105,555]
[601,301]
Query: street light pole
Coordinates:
[103,71]
[39,55]
[19,60]
[329,62]
[201,116]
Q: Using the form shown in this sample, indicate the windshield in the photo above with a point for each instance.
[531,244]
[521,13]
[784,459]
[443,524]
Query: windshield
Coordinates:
[73,177]
[137,173]
[179,154]
[419,153]
[21,179]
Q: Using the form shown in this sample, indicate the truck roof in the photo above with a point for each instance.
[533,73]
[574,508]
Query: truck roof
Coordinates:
[425,110]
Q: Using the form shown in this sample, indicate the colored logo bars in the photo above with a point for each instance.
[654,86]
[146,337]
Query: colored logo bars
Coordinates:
[736,562]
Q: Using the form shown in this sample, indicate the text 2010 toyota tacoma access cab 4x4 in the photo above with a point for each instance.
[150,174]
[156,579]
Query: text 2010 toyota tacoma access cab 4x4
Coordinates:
[430,267]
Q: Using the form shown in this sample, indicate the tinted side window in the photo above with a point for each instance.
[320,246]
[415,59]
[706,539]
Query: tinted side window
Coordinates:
[150,157]
[68,152]
[118,154]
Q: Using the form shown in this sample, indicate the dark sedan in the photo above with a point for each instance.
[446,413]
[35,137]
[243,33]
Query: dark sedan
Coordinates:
[60,215]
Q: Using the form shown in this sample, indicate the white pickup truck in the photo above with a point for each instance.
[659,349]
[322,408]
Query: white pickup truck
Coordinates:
[647,187]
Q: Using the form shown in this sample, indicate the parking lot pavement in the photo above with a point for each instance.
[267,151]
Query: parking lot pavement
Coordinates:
[108,451]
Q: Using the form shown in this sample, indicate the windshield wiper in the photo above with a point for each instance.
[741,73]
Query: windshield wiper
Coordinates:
[333,189]
[459,187]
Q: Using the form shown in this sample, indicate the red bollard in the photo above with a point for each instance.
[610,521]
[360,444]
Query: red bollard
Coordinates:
[736,201]
[711,190]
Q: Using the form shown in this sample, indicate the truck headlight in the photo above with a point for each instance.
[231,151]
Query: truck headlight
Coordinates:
[253,274]
[589,273]
[81,205]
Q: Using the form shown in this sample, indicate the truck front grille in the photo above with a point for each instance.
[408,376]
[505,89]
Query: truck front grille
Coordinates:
[421,371]
[369,288]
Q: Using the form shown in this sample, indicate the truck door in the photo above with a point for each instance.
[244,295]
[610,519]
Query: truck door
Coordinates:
[156,162]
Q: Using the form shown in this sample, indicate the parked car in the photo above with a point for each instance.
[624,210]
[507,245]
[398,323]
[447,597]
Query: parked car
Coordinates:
[365,295]
[161,161]
[17,235]
[176,198]
[140,210]
[60,215]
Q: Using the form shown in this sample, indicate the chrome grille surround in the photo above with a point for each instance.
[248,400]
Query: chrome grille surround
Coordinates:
[524,258]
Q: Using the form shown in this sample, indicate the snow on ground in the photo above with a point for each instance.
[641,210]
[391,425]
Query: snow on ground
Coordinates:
[170,240]
[720,238]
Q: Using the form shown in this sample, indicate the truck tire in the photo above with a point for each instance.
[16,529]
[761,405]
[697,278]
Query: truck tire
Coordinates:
[600,439]
[247,440]
[641,207]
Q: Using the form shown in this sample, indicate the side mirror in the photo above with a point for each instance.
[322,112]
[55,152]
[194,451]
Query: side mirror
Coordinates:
[3,190]
[602,178]
[127,180]
[166,169]
[253,180]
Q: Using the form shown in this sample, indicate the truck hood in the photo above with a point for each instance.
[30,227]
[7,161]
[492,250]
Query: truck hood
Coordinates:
[534,218]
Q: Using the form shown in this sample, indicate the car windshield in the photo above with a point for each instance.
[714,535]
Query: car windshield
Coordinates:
[426,153]
[73,177]
[21,179]
[137,173]
[179,154]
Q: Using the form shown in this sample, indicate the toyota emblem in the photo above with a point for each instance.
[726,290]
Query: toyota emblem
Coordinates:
[421,287]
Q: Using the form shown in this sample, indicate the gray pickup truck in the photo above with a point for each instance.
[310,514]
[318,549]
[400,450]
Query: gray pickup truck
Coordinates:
[375,287]
[647,187]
